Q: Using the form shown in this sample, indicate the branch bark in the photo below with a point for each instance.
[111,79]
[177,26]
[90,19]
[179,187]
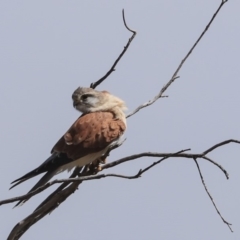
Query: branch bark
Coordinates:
[59,196]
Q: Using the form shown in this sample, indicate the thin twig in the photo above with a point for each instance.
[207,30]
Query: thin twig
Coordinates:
[112,69]
[162,159]
[211,198]
[68,180]
[174,76]
[182,155]
[150,102]
[220,144]
[218,165]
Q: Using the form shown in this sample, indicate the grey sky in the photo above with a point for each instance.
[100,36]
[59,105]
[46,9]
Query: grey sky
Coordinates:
[49,48]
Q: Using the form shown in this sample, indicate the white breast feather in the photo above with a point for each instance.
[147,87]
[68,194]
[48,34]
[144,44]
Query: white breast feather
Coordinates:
[80,162]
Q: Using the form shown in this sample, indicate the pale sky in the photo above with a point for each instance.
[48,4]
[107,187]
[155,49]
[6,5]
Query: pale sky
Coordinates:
[49,48]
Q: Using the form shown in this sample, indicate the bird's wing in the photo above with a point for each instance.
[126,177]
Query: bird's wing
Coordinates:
[90,133]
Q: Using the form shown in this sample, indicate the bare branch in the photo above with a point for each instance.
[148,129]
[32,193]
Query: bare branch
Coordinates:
[220,144]
[159,161]
[182,155]
[164,156]
[85,178]
[150,102]
[125,23]
[211,198]
[218,165]
[95,84]
[26,223]
[51,203]
[68,180]
[174,76]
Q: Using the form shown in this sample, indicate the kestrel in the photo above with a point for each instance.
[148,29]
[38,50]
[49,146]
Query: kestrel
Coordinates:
[99,127]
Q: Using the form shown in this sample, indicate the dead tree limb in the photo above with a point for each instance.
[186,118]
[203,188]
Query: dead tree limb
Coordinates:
[62,194]
[180,154]
[174,76]
[210,196]
[112,69]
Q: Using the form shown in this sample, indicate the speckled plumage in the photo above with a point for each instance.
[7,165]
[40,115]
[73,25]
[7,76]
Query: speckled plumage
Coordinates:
[91,132]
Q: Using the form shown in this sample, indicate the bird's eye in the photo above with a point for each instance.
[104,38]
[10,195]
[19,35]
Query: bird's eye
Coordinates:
[85,97]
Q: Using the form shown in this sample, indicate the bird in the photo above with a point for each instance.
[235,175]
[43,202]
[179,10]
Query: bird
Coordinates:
[100,127]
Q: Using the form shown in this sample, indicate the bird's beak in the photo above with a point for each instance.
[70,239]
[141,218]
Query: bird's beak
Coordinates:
[76,99]
[75,103]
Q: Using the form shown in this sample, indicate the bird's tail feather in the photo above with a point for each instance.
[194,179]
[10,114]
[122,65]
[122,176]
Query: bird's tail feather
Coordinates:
[46,177]
[48,165]
[51,166]
[27,176]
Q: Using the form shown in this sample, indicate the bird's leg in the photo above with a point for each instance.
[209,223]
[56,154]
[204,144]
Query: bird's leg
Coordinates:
[95,167]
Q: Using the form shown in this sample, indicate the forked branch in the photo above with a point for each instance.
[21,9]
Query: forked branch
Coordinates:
[210,196]
[174,76]
[51,204]
[164,156]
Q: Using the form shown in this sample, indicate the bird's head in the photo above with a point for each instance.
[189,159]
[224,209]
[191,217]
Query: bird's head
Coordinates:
[89,100]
